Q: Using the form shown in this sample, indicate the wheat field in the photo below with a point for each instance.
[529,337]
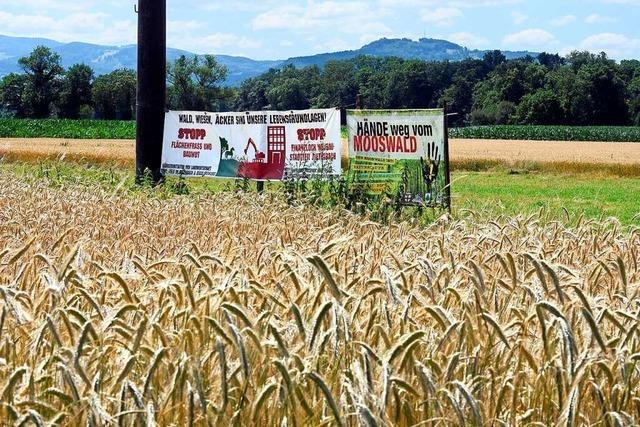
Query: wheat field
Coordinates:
[131,308]
[122,152]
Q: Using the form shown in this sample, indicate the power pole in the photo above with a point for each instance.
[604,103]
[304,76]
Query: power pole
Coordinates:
[152,85]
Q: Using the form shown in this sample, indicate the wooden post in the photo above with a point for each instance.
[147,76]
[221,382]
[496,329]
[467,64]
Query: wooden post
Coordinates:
[447,170]
[260,187]
[152,70]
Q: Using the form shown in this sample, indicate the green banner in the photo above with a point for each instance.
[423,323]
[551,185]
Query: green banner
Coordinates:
[399,153]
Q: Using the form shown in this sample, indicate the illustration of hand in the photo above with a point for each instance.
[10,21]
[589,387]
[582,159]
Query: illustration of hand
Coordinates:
[431,166]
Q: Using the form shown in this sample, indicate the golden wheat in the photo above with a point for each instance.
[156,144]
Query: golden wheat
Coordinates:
[130,309]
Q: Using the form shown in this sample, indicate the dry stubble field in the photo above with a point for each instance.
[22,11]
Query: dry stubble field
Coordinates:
[508,152]
[131,309]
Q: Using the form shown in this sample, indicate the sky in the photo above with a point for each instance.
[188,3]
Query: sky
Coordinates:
[279,29]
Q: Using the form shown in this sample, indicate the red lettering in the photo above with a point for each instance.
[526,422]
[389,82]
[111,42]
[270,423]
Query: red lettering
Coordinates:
[191,154]
[192,134]
[357,143]
[311,134]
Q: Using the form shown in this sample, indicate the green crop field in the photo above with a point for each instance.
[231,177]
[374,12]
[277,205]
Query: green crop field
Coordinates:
[102,129]
[71,129]
[550,133]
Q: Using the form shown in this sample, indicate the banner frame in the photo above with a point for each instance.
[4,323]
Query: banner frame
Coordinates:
[447,166]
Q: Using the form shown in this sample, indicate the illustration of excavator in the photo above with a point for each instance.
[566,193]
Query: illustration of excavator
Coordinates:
[260,157]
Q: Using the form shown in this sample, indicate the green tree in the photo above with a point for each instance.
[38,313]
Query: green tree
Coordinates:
[630,74]
[76,91]
[539,108]
[493,59]
[13,88]
[372,77]
[459,99]
[194,83]
[495,99]
[634,101]
[288,94]
[607,93]
[417,84]
[572,94]
[550,61]
[114,95]
[288,88]
[252,95]
[43,72]
[337,86]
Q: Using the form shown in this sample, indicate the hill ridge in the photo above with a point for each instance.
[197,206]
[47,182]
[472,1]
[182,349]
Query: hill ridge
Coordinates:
[104,58]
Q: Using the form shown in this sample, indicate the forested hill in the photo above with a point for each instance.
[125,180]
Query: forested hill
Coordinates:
[105,59]
[423,49]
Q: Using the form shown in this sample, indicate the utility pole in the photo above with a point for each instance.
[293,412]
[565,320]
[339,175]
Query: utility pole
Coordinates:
[152,74]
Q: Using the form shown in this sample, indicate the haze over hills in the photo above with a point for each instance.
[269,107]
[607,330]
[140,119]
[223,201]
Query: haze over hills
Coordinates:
[104,59]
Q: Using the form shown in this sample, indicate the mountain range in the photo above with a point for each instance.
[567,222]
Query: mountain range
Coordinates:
[104,59]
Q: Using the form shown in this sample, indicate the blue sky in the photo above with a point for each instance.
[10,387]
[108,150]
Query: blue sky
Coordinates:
[277,29]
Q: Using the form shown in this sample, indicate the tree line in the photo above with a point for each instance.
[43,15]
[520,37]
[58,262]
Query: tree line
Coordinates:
[45,89]
[579,89]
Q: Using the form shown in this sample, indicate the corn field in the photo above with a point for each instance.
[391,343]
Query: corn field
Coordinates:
[550,133]
[133,309]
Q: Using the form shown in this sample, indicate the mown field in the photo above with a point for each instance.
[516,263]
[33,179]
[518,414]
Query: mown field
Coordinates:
[132,306]
[98,129]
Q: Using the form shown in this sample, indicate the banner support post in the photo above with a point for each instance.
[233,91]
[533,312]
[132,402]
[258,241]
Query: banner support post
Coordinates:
[150,101]
[447,169]
[260,187]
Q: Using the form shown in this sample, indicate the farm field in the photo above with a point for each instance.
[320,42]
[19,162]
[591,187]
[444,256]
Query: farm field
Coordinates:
[118,151]
[550,133]
[487,194]
[129,306]
[554,155]
[113,129]
[620,153]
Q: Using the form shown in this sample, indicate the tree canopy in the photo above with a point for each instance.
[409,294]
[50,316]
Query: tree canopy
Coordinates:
[579,89]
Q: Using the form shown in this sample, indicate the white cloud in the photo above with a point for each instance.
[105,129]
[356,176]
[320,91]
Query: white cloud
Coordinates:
[49,5]
[316,15]
[532,38]
[79,26]
[615,45]
[563,21]
[442,16]
[594,18]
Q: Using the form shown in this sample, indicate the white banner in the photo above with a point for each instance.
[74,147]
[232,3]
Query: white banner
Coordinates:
[264,145]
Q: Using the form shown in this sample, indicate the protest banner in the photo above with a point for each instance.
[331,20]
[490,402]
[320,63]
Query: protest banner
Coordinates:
[402,153]
[265,145]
